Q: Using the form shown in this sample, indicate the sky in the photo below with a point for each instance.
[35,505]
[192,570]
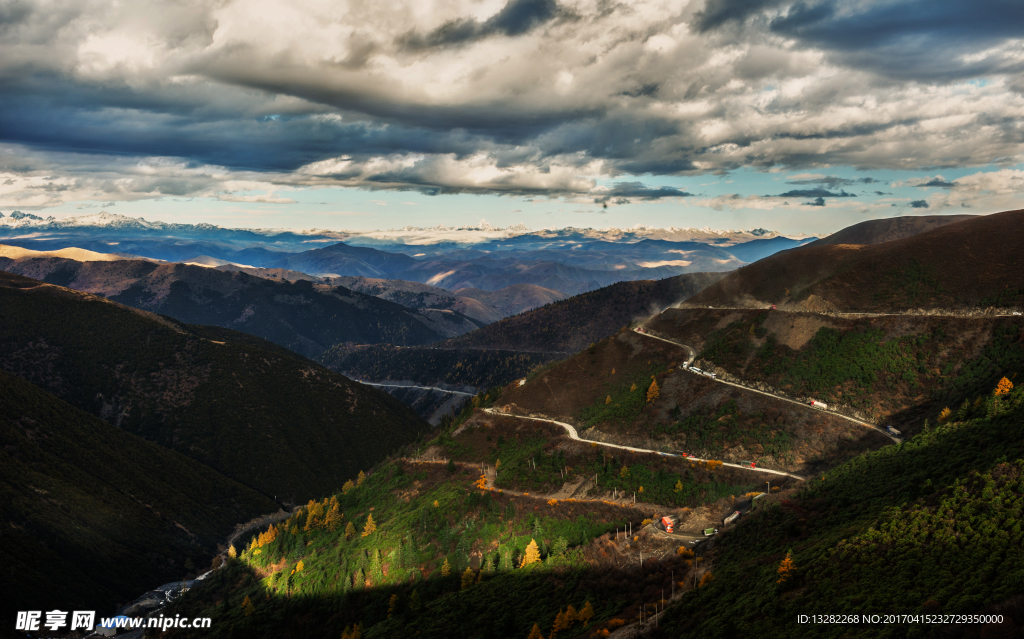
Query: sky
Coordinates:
[799,116]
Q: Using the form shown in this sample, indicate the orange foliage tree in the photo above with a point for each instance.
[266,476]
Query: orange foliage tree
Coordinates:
[786,568]
[532,555]
[1003,387]
[653,392]
[370,526]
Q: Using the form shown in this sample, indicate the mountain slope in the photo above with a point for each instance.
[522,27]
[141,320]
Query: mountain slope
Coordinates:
[976,262]
[108,512]
[514,299]
[251,410]
[571,324]
[888,229]
[421,296]
[342,259]
[299,315]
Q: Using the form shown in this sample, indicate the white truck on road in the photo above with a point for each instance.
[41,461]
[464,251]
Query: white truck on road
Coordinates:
[816,404]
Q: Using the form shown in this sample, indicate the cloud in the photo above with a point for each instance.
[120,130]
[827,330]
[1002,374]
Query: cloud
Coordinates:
[515,18]
[830,181]
[529,97]
[625,191]
[919,204]
[817,202]
[938,182]
[818,193]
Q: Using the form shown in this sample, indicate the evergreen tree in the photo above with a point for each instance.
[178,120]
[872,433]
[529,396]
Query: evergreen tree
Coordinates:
[348,486]
[247,607]
[350,530]
[333,519]
[392,605]
[532,555]
[467,578]
[361,478]
[446,568]
[535,633]
[414,600]
[232,552]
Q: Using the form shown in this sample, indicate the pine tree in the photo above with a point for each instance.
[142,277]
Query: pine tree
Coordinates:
[632,388]
[586,613]
[1003,387]
[436,504]
[624,471]
[679,486]
[944,415]
[607,400]
[467,578]
[653,392]
[232,552]
[299,566]
[532,555]
[347,487]
[535,633]
[247,607]
[369,527]
[561,623]
[786,568]
[350,530]
[446,568]
[361,478]
[571,615]
[414,600]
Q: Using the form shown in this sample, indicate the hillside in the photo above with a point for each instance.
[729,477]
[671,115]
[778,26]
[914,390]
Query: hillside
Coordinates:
[892,368]
[420,296]
[478,368]
[514,299]
[300,315]
[888,229]
[603,392]
[420,549]
[572,324]
[973,263]
[253,411]
[108,512]
[888,533]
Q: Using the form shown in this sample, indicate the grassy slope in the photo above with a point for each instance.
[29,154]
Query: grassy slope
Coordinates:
[932,525]
[93,515]
[251,410]
[892,368]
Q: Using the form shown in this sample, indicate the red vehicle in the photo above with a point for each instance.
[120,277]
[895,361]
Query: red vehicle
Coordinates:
[773,307]
[668,524]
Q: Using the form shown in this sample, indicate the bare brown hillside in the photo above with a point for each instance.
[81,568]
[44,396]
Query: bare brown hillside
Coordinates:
[889,229]
[972,263]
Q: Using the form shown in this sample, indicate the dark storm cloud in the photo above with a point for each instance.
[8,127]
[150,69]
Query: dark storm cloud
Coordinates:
[627,191]
[717,13]
[817,202]
[818,193]
[919,204]
[516,18]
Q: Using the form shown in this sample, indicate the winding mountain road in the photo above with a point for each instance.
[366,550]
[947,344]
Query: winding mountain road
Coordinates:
[434,388]
[571,430]
[691,354]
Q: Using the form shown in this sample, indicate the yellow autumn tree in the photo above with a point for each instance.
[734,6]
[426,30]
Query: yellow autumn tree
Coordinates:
[532,555]
[232,552]
[535,633]
[944,415]
[247,607]
[632,388]
[585,614]
[706,579]
[361,478]
[299,567]
[607,400]
[446,568]
[467,578]
[347,486]
[678,487]
[355,632]
[392,605]
[333,519]
[350,530]
[786,568]
[436,504]
[1003,387]
[624,472]
[561,623]
[370,526]
[653,392]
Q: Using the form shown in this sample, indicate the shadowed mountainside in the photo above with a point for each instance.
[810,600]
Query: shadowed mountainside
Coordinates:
[888,229]
[253,411]
[107,511]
